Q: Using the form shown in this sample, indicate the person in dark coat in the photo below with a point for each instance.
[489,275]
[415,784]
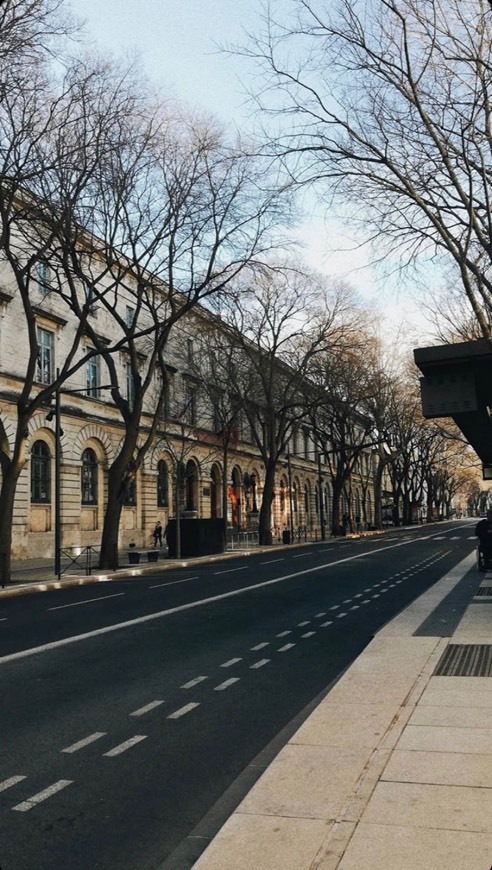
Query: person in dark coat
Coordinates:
[483,531]
[157,533]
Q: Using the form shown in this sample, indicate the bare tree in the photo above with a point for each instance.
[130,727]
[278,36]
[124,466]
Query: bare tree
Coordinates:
[281,320]
[386,106]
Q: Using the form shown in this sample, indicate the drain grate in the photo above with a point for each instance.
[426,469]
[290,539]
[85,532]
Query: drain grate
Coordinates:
[465,660]
[484,590]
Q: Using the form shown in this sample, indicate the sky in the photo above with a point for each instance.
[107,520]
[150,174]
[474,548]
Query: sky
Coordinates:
[178,43]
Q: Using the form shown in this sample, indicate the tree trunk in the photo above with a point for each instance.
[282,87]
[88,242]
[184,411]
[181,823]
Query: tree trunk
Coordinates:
[7,499]
[265,518]
[111,527]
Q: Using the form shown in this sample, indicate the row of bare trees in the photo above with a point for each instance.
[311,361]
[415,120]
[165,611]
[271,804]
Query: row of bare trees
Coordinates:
[128,204]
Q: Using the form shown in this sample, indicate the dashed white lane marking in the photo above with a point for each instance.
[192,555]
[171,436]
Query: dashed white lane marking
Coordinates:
[260,663]
[359,595]
[471,538]
[326,624]
[232,570]
[271,561]
[286,647]
[302,624]
[193,682]
[283,634]
[127,744]
[335,607]
[366,601]
[377,595]
[3,619]
[341,615]
[202,602]
[230,663]
[355,607]
[301,555]
[8,783]
[455,538]
[173,583]
[183,710]
[85,741]
[308,634]
[226,684]
[260,646]
[440,538]
[347,601]
[319,615]
[42,795]
[148,707]
[87,601]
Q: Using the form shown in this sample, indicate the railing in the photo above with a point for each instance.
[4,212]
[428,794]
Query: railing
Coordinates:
[75,558]
[242,540]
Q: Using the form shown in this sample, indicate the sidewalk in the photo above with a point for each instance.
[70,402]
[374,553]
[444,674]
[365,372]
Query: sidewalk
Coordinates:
[393,770]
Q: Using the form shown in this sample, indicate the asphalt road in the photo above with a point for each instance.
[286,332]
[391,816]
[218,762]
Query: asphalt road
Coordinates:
[133,712]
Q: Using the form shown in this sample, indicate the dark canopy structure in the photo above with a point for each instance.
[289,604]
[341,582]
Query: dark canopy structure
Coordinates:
[457,383]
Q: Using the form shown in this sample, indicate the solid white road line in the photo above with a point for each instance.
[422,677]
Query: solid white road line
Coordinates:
[260,646]
[85,741]
[148,707]
[8,783]
[42,795]
[183,710]
[194,682]
[260,663]
[286,647]
[226,684]
[230,663]
[172,583]
[201,602]
[283,634]
[122,747]
[87,601]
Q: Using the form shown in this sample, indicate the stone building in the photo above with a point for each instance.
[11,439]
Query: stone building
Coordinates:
[183,469]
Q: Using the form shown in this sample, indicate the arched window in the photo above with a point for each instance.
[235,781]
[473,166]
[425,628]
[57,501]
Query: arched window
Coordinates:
[40,473]
[162,484]
[89,477]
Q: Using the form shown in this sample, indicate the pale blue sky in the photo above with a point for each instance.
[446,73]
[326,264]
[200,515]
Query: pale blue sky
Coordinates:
[176,40]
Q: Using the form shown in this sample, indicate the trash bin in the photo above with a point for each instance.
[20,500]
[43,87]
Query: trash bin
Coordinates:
[286,536]
[134,557]
[153,555]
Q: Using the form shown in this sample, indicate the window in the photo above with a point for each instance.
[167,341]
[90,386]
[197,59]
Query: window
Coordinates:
[89,298]
[40,473]
[43,275]
[130,496]
[188,412]
[92,376]
[129,316]
[306,443]
[45,361]
[89,477]
[130,386]
[162,484]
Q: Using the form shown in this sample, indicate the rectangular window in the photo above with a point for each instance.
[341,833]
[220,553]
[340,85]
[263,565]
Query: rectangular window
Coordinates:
[89,298]
[189,410]
[92,377]
[130,387]
[45,361]
[43,277]
[306,444]
[129,316]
